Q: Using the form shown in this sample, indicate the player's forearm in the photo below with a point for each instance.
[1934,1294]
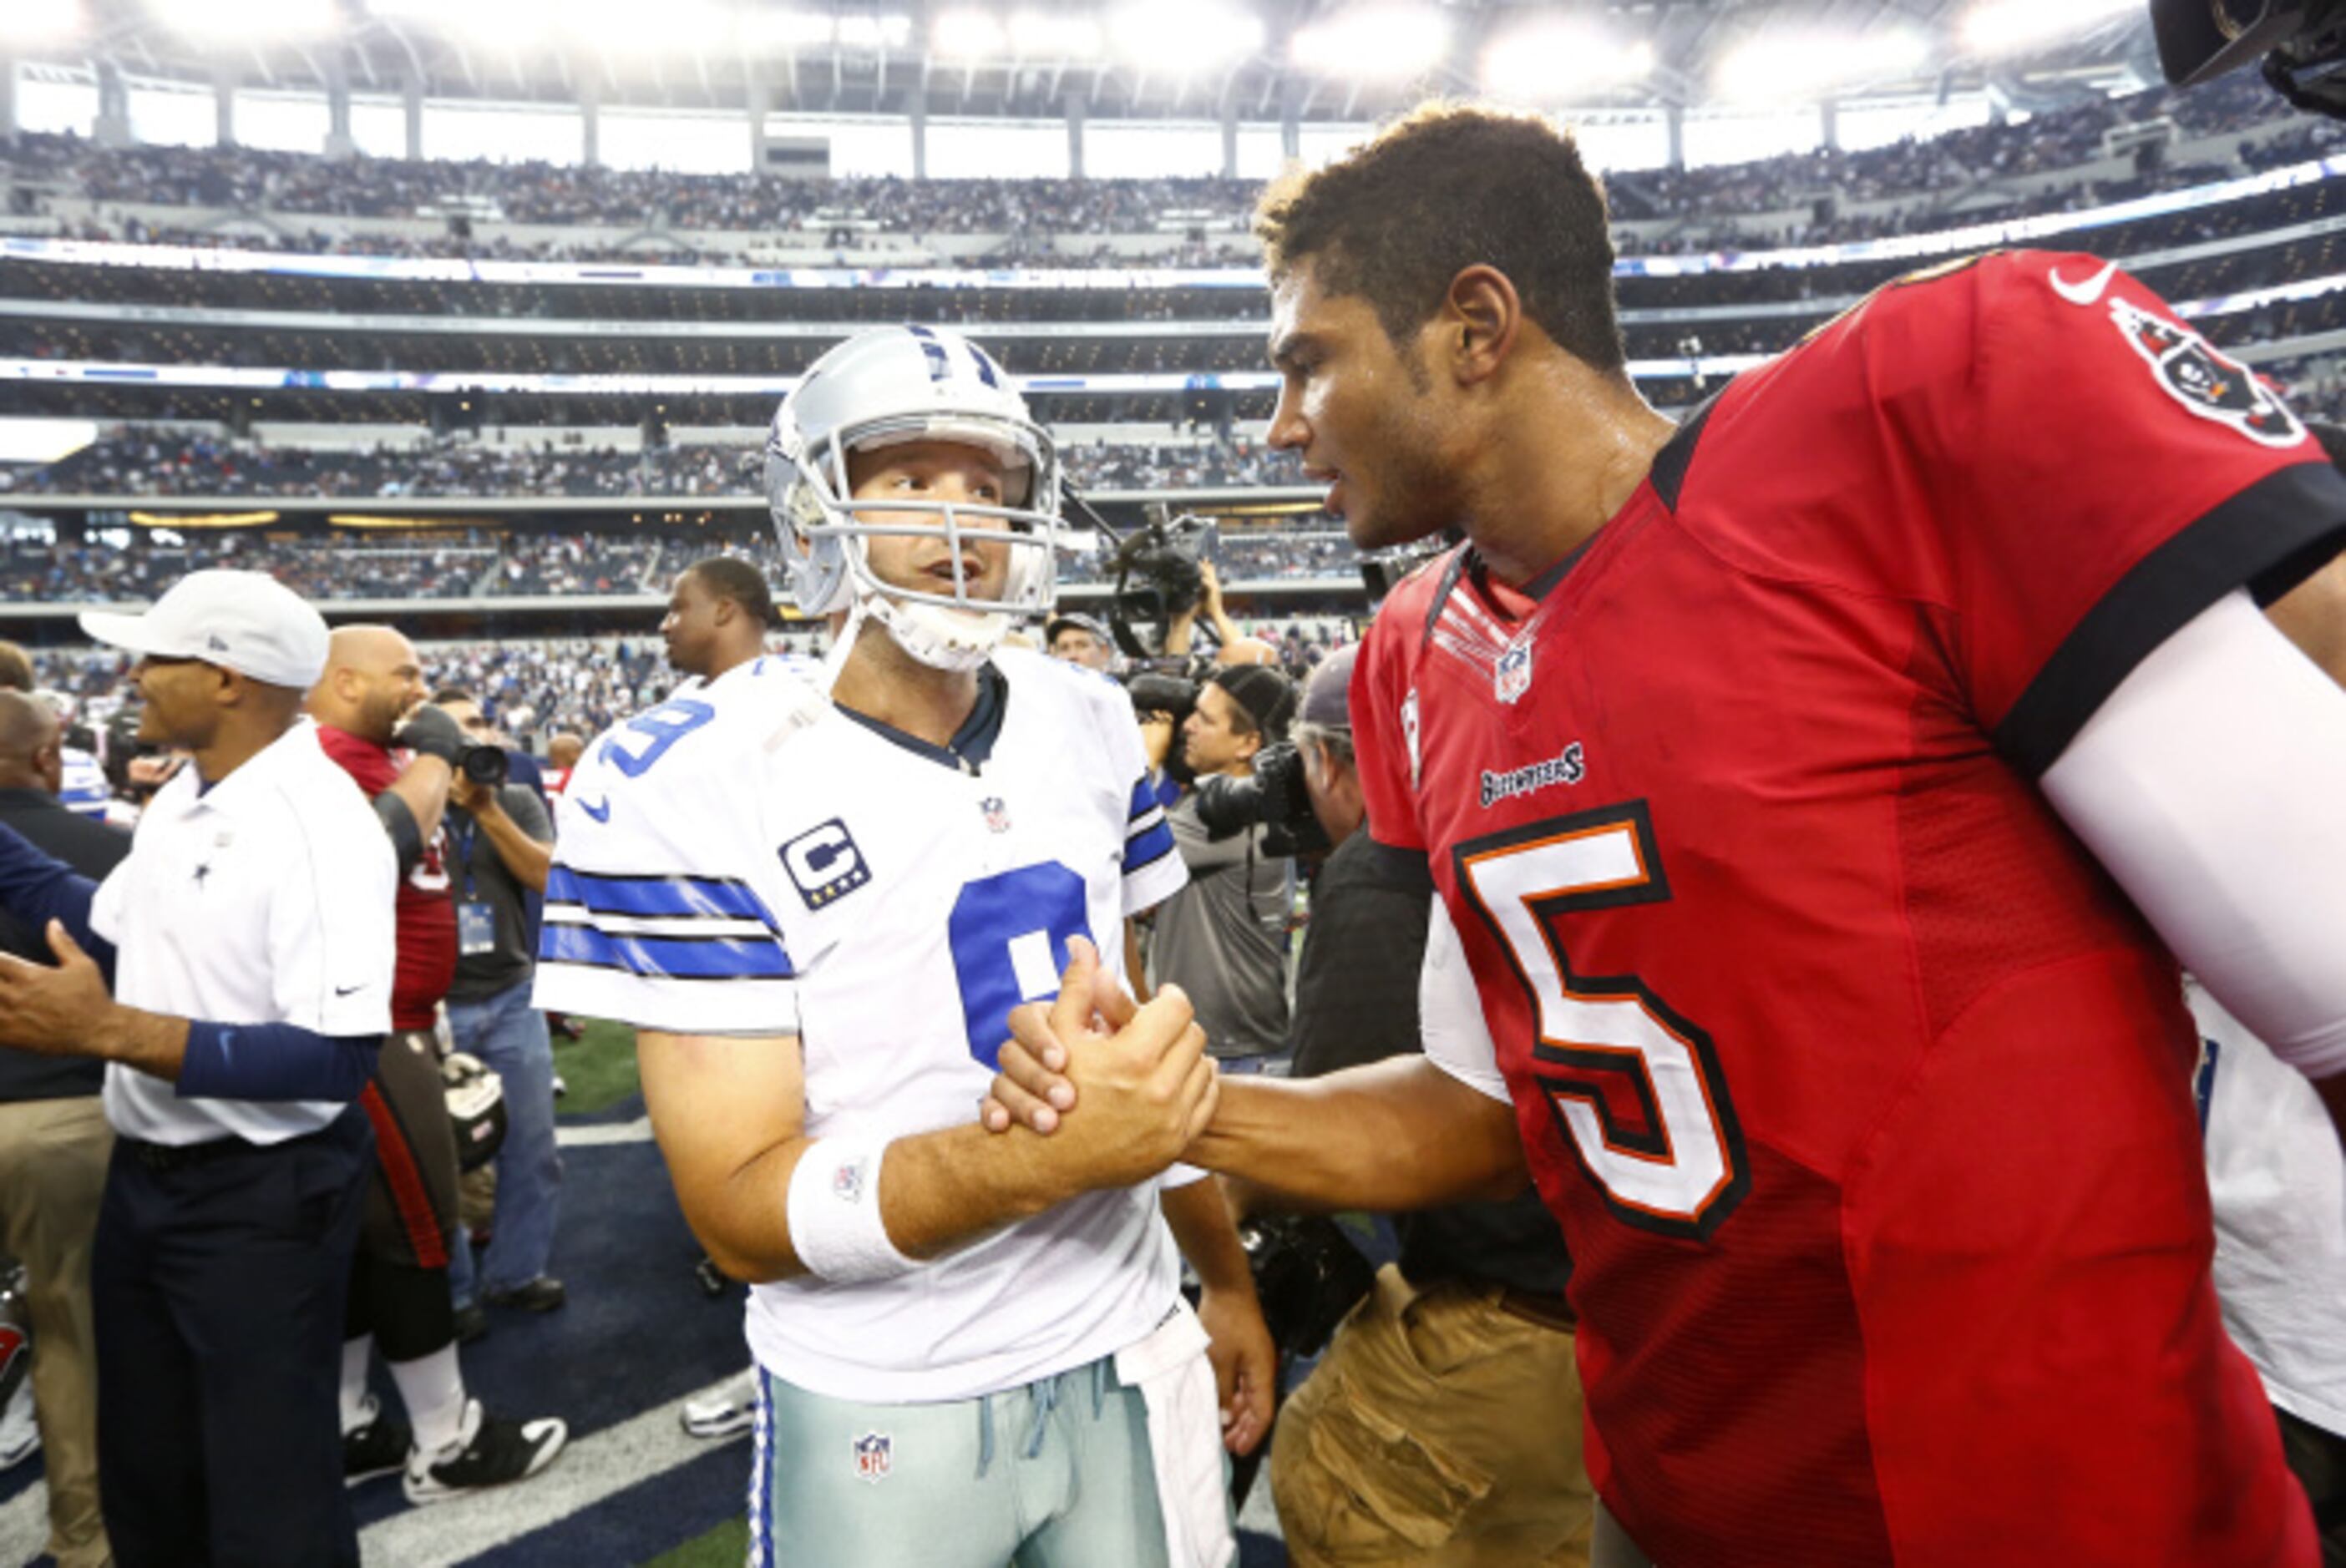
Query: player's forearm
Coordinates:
[1390,1136]
[938,1191]
[944,1189]
[150,1041]
[423,788]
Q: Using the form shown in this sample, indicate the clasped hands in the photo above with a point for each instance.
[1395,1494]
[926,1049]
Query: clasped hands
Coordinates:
[1140,1072]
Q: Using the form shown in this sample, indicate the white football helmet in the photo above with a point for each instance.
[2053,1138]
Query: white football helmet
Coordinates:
[896,384]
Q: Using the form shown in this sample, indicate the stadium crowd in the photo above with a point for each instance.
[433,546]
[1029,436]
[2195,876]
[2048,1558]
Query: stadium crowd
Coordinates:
[1037,217]
[145,464]
[476,562]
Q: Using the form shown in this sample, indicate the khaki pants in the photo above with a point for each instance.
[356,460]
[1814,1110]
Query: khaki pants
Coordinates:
[53,1157]
[1439,1429]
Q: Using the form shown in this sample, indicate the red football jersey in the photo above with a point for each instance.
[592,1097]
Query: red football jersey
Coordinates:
[427,911]
[1859,1089]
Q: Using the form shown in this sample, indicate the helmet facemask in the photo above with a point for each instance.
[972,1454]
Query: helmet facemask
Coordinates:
[826,531]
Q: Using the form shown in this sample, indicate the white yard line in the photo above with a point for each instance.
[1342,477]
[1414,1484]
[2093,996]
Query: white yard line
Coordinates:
[589,1470]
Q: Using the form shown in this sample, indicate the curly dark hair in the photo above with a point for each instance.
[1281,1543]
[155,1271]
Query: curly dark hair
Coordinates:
[1444,188]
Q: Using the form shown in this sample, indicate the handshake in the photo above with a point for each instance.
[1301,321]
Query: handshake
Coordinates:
[1122,1090]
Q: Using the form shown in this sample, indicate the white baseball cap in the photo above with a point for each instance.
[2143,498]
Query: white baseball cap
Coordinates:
[245,621]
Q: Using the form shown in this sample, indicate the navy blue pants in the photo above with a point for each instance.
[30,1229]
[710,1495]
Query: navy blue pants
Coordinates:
[218,1288]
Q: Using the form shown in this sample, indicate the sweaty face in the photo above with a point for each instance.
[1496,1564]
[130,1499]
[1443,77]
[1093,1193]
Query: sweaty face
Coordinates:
[1365,418]
[690,623]
[933,471]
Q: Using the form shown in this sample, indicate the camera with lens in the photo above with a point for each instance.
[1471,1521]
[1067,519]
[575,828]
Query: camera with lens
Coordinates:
[1166,689]
[2303,44]
[1275,796]
[486,765]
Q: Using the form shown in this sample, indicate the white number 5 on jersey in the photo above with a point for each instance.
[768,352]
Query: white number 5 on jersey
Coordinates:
[1675,1165]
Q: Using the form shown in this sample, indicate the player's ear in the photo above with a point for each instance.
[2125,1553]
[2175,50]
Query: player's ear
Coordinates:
[1481,317]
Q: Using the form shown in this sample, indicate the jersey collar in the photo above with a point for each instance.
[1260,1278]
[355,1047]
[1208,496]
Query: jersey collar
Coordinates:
[972,746]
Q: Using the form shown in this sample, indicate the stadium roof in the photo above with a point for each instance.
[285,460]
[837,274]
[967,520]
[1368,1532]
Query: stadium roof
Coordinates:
[1199,59]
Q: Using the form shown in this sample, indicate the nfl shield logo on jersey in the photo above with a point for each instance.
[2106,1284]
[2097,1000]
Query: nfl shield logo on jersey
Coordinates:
[1512,676]
[997,815]
[871,1457]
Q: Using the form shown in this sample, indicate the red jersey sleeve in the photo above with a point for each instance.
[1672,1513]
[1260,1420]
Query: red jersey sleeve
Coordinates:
[1383,705]
[2037,447]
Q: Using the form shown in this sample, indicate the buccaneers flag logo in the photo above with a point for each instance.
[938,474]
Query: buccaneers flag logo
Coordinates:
[2204,380]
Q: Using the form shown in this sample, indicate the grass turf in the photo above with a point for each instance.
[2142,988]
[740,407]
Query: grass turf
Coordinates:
[728,1546]
[599,1071]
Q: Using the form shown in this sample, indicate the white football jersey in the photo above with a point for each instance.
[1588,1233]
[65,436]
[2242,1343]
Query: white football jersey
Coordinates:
[84,789]
[2278,1184]
[746,858]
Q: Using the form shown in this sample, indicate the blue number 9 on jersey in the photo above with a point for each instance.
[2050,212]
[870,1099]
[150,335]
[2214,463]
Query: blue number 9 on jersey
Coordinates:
[1009,935]
[669,723]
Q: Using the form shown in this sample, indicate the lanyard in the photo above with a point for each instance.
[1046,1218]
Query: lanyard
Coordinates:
[463,840]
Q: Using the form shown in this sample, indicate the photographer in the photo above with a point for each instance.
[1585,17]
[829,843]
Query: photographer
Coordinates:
[1223,937]
[1478,1286]
[501,841]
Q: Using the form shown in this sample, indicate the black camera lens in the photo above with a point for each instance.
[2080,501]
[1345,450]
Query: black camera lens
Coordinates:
[486,765]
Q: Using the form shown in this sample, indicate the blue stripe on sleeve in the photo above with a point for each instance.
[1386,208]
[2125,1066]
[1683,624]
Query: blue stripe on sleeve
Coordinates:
[655,896]
[666,957]
[1147,849]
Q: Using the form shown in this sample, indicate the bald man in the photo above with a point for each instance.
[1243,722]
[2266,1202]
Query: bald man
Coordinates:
[54,1145]
[373,720]
[562,754]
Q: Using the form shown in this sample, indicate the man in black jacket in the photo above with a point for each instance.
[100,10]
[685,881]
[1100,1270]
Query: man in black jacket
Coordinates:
[54,1145]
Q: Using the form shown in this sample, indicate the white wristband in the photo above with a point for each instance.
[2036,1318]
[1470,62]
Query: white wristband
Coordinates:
[834,1213]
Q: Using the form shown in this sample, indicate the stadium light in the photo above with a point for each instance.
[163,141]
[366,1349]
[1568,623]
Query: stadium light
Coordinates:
[787,30]
[1805,66]
[1999,27]
[968,34]
[1546,61]
[892,31]
[628,27]
[1054,35]
[1183,40]
[493,23]
[1375,42]
[241,23]
[39,21]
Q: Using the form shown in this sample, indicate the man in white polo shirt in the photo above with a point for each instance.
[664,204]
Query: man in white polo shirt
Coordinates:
[248,940]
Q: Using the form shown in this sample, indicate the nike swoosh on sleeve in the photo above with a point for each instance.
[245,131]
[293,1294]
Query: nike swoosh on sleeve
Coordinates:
[601,813]
[2088,292]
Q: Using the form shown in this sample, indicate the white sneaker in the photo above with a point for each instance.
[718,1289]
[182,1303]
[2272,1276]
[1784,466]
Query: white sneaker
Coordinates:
[20,1439]
[488,1451]
[731,1410]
